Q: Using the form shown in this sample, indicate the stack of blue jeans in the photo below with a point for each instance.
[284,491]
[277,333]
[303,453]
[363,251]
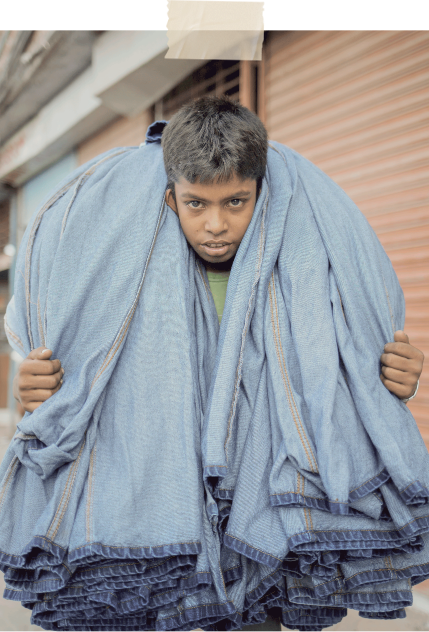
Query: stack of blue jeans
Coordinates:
[195,475]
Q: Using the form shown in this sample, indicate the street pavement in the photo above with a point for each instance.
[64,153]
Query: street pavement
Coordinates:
[14,617]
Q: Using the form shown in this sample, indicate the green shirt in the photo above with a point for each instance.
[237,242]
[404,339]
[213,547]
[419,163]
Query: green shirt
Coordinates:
[218,282]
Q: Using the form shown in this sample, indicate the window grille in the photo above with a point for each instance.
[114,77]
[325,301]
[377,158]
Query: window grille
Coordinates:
[216,78]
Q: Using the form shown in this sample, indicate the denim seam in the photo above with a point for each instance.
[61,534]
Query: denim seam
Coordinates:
[12,334]
[131,547]
[90,497]
[246,326]
[28,253]
[378,531]
[39,319]
[81,180]
[204,281]
[286,384]
[73,469]
[8,479]
[122,332]
[288,381]
[59,504]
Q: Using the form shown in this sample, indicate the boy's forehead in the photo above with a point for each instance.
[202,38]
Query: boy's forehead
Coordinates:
[234,185]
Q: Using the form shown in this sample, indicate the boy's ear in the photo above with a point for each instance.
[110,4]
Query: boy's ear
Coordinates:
[170,201]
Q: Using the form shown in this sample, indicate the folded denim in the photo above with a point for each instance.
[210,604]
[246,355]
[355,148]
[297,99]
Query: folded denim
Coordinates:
[253,465]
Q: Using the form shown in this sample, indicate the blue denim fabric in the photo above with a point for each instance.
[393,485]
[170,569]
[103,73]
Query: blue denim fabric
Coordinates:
[189,475]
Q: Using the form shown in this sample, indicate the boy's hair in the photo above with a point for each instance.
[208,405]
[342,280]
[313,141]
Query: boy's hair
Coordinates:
[211,139]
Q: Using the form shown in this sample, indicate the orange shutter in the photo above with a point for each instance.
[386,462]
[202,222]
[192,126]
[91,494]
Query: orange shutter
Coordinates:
[356,104]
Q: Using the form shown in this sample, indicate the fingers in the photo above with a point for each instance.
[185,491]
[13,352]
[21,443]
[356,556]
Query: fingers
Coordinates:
[401,336]
[399,377]
[32,399]
[40,367]
[401,349]
[32,382]
[400,390]
[400,363]
[41,353]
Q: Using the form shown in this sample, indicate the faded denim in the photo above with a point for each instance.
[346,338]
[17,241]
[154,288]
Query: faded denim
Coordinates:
[189,475]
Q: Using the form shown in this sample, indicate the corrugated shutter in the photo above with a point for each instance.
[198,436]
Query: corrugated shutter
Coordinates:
[356,104]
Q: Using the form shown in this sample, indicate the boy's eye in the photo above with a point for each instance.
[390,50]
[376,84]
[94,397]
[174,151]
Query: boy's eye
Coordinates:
[237,204]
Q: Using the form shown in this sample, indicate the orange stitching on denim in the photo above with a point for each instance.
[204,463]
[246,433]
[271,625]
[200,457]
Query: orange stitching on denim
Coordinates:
[82,180]
[71,477]
[39,319]
[339,502]
[377,531]
[416,481]
[66,502]
[8,476]
[287,377]
[59,504]
[30,242]
[246,327]
[311,519]
[286,384]
[130,315]
[306,519]
[12,334]
[370,479]
[90,493]
[158,546]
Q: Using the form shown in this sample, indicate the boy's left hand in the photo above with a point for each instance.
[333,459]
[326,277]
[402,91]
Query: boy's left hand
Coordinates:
[402,365]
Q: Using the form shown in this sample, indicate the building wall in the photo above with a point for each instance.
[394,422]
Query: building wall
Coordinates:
[122,133]
[4,298]
[356,104]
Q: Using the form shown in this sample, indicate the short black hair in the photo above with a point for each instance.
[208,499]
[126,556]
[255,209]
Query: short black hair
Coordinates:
[213,138]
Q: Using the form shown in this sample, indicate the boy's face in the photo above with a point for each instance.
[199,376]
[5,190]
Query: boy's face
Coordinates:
[214,216]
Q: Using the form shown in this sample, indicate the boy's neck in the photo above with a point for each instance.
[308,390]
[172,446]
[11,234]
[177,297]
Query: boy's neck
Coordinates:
[218,267]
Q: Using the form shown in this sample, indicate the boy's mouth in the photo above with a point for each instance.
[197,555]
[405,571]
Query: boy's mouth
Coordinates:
[216,247]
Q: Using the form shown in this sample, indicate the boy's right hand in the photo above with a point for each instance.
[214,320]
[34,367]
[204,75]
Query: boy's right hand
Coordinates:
[37,379]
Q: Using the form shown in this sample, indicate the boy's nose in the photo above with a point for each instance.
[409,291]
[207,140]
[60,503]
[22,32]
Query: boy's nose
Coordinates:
[216,224]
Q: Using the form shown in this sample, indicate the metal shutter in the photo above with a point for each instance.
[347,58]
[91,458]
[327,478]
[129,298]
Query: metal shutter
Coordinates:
[356,104]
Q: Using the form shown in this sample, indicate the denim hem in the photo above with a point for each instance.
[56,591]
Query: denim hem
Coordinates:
[53,555]
[206,612]
[132,552]
[325,504]
[315,618]
[52,578]
[415,492]
[223,494]
[370,602]
[143,602]
[358,539]
[249,551]
[257,594]
[292,499]
[393,614]
[418,573]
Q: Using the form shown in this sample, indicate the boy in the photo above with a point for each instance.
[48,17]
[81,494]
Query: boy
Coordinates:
[213,187]
[214,209]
